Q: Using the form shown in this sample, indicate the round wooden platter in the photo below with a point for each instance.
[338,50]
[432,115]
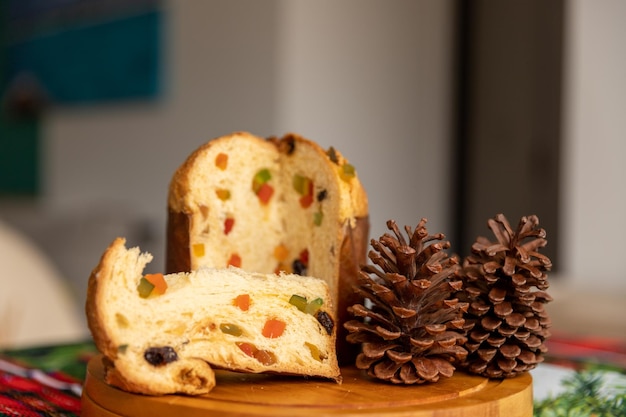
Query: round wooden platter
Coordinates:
[239,394]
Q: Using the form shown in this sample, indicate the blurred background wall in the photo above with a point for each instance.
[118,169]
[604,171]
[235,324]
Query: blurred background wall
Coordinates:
[451,110]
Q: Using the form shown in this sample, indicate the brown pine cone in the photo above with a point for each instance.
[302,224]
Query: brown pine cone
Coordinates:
[505,283]
[414,329]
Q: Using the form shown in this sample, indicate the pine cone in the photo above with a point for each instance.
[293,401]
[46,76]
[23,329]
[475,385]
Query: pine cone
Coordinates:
[504,283]
[414,330]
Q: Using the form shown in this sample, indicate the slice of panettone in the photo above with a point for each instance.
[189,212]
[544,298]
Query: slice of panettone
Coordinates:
[162,334]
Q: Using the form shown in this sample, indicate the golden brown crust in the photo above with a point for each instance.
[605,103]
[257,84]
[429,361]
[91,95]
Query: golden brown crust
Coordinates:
[353,256]
[95,295]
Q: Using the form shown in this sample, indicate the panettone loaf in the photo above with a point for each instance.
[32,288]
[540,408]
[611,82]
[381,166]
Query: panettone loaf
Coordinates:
[269,205]
[161,334]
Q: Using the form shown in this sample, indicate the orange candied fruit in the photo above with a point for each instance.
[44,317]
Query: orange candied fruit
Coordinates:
[265,357]
[221,161]
[274,328]
[198,250]
[283,267]
[235,260]
[281,252]
[223,194]
[242,301]
[160,286]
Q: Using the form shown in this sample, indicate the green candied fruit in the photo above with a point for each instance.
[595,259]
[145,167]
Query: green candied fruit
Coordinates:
[122,348]
[317,218]
[231,329]
[144,288]
[298,301]
[301,184]
[314,306]
[261,177]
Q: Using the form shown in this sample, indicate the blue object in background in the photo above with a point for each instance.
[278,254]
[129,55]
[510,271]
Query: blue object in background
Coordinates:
[113,59]
[68,52]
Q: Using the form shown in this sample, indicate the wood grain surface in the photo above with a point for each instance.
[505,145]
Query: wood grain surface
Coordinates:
[239,394]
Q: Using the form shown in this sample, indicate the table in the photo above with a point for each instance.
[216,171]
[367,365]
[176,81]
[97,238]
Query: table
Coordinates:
[586,373]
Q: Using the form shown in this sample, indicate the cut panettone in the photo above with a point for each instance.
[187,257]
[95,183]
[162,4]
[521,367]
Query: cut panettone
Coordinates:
[161,334]
[270,205]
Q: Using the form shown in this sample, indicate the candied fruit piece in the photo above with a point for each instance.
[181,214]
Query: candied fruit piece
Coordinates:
[281,252]
[299,301]
[121,320]
[235,260]
[261,177]
[242,301]
[228,225]
[304,256]
[273,328]
[313,306]
[198,250]
[303,186]
[300,183]
[247,348]
[223,194]
[315,352]
[265,193]
[160,286]
[144,288]
[260,186]
[221,161]
[317,218]
[306,201]
[265,357]
[347,172]
[231,329]
[282,267]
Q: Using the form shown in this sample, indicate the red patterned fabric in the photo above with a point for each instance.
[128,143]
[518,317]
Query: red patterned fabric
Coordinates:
[30,392]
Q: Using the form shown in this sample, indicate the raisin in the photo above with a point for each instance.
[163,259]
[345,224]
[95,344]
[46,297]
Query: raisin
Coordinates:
[288,144]
[326,322]
[332,155]
[159,356]
[321,196]
[299,267]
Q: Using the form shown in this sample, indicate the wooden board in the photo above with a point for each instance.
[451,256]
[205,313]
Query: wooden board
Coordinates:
[270,395]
